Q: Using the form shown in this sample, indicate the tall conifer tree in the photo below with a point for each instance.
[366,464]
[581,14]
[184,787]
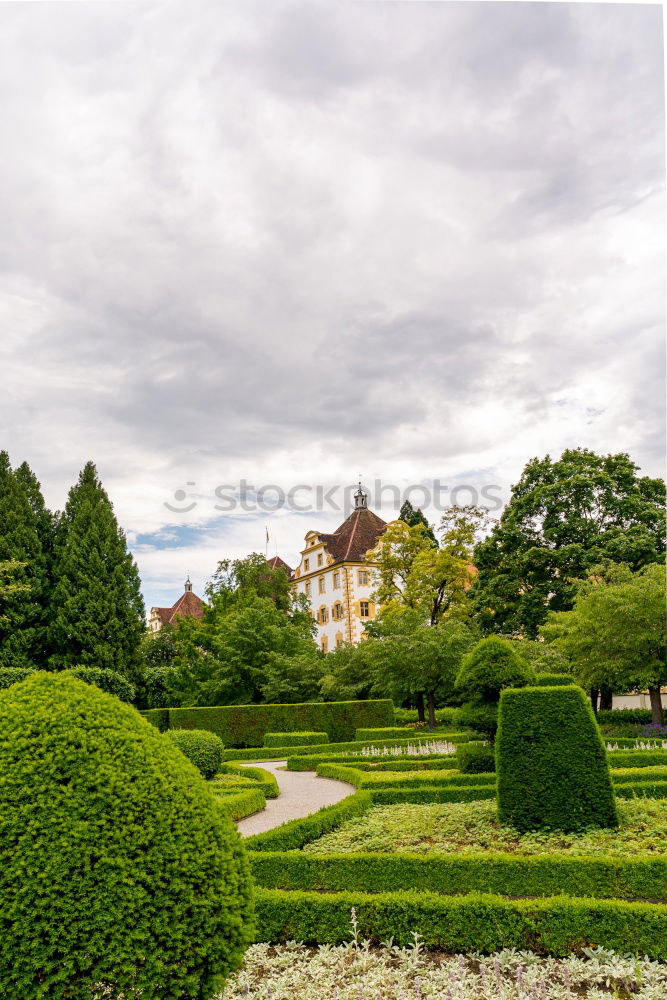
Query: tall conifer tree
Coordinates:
[97,616]
[22,621]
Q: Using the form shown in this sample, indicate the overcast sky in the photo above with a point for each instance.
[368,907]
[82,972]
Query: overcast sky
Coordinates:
[299,242]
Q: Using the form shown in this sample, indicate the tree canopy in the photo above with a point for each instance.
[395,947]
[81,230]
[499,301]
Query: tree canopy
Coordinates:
[563,518]
[615,636]
[97,611]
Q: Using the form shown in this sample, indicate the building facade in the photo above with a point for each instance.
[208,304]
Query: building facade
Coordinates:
[336,579]
[187,606]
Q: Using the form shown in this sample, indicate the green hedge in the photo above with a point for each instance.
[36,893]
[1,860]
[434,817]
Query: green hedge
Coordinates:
[408,716]
[504,874]
[551,762]
[265,780]
[301,739]
[429,779]
[310,763]
[422,795]
[637,758]
[110,681]
[553,680]
[624,716]
[158,717]
[631,742]
[638,775]
[245,725]
[642,789]
[297,832]
[473,923]
[401,732]
[280,753]
[238,803]
[475,758]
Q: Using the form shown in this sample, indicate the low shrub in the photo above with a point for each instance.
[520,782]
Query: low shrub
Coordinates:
[237,803]
[245,725]
[624,716]
[106,680]
[443,716]
[423,795]
[265,780]
[456,874]
[642,789]
[473,923]
[297,832]
[301,739]
[553,680]
[475,758]
[310,763]
[278,753]
[202,748]
[13,675]
[158,717]
[633,775]
[552,767]
[637,758]
[107,835]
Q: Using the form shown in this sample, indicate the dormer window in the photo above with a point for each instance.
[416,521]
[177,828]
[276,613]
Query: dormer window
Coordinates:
[320,558]
[306,565]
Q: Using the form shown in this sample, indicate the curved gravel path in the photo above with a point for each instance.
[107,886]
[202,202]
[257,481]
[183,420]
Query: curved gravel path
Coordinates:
[301,793]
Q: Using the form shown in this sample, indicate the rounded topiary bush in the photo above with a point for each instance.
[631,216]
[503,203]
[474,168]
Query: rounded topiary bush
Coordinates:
[491,666]
[106,680]
[119,874]
[200,746]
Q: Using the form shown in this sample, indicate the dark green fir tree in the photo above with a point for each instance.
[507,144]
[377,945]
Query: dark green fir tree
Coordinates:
[22,608]
[412,516]
[97,616]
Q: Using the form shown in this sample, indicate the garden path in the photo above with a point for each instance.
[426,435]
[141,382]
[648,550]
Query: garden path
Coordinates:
[301,793]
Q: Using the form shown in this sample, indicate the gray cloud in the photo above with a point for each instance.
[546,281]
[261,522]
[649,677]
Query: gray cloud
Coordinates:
[307,233]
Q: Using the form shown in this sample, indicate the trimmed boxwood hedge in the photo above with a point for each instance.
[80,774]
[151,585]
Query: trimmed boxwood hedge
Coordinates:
[310,763]
[265,780]
[401,732]
[506,874]
[300,739]
[475,758]
[240,802]
[297,832]
[107,835]
[624,716]
[202,748]
[278,753]
[106,680]
[556,925]
[637,758]
[553,680]
[551,762]
[245,725]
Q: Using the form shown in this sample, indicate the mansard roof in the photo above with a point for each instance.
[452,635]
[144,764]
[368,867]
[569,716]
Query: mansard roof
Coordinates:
[351,541]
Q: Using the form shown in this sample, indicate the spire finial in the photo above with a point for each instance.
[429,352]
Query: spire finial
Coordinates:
[360,497]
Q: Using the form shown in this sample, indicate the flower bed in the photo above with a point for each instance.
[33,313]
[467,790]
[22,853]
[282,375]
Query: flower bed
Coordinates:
[354,971]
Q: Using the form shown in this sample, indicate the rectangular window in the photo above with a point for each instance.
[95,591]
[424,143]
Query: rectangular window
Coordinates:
[321,584]
[325,644]
[308,589]
[306,565]
[364,609]
[320,558]
[336,580]
[362,577]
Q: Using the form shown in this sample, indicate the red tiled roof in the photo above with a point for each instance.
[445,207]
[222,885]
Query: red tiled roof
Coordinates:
[277,563]
[187,606]
[355,536]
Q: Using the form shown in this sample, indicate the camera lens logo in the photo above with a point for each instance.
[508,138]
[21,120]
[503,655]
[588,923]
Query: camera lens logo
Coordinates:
[179,497]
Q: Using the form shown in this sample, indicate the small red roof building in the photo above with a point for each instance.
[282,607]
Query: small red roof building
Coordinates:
[187,606]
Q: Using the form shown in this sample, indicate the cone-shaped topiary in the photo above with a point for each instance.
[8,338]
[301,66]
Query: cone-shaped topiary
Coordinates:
[551,762]
[201,747]
[118,872]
